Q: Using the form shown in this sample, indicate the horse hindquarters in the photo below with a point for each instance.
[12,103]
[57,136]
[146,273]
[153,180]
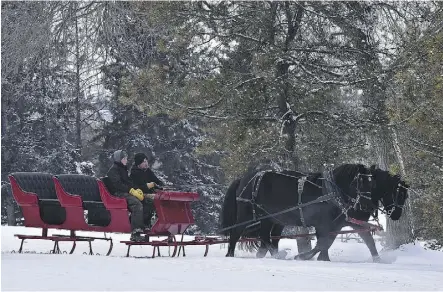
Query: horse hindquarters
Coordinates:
[229,213]
[244,213]
[229,209]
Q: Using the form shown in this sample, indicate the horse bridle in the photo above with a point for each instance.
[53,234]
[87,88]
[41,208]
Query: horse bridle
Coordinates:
[360,193]
[394,203]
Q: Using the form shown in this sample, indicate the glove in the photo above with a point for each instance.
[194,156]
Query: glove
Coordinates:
[137,193]
[151,185]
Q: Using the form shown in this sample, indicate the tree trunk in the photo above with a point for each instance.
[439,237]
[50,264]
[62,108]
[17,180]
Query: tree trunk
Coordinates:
[401,231]
[398,153]
[44,101]
[10,213]
[77,89]
[282,70]
[6,154]
[375,93]
[9,201]
[382,144]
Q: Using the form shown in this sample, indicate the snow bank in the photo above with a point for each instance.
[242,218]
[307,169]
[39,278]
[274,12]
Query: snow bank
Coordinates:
[412,268]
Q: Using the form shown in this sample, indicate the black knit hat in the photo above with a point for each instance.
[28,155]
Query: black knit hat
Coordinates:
[139,157]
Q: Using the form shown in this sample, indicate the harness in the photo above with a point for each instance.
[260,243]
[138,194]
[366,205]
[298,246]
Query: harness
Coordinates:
[318,200]
[256,180]
[301,183]
[331,192]
[330,187]
[365,195]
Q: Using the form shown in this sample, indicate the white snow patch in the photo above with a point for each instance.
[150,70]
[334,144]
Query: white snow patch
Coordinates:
[412,268]
[35,116]
[156,164]
[106,115]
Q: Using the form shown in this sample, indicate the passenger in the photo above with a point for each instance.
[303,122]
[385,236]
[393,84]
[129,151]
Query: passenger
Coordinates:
[122,186]
[142,175]
[144,179]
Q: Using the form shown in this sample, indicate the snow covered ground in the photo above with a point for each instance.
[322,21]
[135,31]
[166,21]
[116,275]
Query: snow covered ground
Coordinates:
[410,268]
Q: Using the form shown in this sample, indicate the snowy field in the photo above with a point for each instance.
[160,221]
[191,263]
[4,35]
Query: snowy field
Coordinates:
[410,268]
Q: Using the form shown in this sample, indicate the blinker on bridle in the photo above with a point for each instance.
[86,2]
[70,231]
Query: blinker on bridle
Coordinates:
[359,192]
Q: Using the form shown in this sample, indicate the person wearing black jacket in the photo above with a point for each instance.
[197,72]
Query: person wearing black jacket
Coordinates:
[122,186]
[142,176]
[144,179]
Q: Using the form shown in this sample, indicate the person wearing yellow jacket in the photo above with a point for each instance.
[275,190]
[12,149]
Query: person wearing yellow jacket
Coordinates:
[122,186]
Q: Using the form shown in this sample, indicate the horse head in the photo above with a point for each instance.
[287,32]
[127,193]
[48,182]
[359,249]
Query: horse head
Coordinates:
[391,191]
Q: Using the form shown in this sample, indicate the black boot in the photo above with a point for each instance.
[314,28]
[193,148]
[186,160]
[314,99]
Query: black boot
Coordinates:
[136,235]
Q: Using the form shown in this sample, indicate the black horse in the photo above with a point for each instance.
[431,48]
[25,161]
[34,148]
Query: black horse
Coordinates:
[273,195]
[389,189]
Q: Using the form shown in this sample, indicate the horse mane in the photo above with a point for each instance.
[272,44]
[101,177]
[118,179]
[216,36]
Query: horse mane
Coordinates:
[265,165]
[348,170]
[386,178]
[386,175]
[388,185]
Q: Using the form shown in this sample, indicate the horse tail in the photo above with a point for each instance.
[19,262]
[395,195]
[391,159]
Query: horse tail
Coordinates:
[229,218]
[229,209]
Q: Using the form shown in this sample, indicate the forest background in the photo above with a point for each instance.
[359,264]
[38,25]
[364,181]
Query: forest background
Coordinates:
[208,89]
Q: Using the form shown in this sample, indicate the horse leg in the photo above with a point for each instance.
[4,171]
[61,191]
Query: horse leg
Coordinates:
[307,255]
[324,254]
[277,230]
[370,243]
[324,245]
[233,239]
[326,240]
[265,238]
[310,254]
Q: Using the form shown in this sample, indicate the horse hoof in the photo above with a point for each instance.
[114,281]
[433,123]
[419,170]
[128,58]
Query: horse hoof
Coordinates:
[274,252]
[281,255]
[376,259]
[261,254]
[299,258]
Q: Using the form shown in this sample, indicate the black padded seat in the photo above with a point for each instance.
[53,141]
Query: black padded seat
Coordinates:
[87,187]
[40,183]
[107,182]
